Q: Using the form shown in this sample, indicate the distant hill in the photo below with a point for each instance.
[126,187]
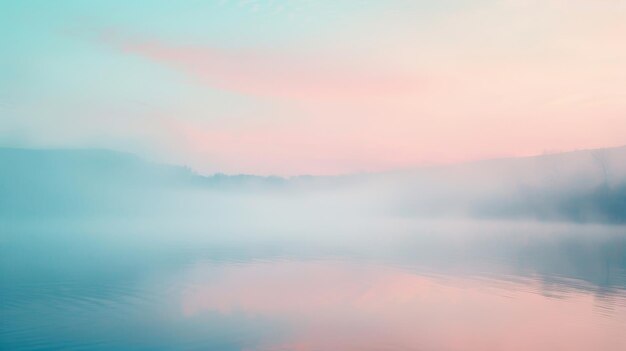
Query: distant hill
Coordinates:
[586,185]
[582,186]
[70,182]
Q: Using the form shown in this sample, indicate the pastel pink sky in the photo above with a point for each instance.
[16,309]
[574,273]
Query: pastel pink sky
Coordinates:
[482,89]
[326,87]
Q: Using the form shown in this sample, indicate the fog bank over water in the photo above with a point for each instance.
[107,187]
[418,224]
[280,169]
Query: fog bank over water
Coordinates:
[582,186]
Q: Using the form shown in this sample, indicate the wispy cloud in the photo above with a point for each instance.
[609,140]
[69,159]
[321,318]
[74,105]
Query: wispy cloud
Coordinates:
[264,72]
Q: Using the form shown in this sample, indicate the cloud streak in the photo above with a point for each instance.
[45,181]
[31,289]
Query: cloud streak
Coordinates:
[267,73]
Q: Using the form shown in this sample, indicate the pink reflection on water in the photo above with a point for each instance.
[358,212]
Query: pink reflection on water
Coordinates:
[350,306]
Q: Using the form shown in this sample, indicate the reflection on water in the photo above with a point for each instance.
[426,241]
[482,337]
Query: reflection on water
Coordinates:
[353,306]
[393,286]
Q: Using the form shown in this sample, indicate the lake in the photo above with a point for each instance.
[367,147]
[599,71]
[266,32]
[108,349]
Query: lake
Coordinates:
[393,284]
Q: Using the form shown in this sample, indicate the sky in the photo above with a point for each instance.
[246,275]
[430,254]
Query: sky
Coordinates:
[314,87]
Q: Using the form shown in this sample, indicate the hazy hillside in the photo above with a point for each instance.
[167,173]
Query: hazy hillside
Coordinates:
[588,185]
[581,186]
[576,186]
[70,182]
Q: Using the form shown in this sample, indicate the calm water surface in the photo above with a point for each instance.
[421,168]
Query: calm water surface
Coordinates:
[385,286]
